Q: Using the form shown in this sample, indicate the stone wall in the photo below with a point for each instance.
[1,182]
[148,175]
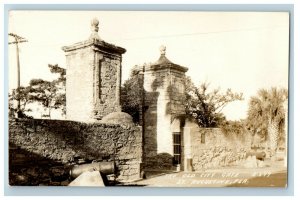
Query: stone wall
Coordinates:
[212,148]
[107,97]
[42,151]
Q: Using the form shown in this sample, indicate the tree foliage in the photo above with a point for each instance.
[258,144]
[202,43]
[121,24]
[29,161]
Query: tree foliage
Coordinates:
[21,94]
[234,127]
[60,84]
[131,95]
[206,106]
[50,94]
[265,108]
[55,69]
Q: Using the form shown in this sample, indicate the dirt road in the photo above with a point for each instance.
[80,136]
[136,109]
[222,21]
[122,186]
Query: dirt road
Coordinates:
[233,177]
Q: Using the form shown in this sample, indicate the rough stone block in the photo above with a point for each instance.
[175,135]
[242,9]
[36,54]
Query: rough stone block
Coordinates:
[91,179]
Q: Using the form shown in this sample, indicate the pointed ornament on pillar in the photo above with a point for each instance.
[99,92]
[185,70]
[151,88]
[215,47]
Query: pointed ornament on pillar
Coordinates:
[95,28]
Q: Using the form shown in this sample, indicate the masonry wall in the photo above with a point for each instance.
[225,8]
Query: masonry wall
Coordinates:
[43,151]
[212,148]
[107,85]
[176,92]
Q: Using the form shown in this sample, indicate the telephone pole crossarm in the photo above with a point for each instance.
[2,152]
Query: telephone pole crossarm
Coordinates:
[19,41]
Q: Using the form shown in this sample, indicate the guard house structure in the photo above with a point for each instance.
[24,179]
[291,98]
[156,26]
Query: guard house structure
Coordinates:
[164,114]
[93,78]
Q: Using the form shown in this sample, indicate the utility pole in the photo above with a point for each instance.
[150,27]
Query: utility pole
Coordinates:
[18,39]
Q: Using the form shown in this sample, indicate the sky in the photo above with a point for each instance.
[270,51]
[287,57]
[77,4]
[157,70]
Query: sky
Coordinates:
[244,51]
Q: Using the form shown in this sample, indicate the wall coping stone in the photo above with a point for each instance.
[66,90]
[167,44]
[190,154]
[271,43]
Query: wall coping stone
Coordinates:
[102,45]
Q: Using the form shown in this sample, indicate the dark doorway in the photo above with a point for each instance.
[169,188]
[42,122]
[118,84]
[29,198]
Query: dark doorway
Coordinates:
[177,148]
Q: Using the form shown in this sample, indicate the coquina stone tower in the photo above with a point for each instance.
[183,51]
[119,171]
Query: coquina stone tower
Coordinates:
[93,78]
[164,101]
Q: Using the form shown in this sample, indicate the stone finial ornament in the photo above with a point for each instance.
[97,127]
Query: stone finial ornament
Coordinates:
[95,24]
[95,29]
[162,50]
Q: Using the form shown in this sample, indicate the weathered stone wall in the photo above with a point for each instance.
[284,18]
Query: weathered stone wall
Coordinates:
[212,148]
[42,151]
[107,86]
[176,92]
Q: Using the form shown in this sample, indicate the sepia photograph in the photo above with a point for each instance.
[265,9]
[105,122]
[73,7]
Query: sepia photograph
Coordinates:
[148,98]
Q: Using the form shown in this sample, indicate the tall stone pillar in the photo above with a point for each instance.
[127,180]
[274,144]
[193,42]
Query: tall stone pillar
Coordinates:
[164,84]
[93,78]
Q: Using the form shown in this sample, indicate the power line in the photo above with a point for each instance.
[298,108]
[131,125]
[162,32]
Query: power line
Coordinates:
[197,33]
[32,43]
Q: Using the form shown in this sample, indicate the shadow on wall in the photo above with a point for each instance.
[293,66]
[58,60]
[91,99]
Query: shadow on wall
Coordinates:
[152,160]
[150,131]
[158,164]
[28,168]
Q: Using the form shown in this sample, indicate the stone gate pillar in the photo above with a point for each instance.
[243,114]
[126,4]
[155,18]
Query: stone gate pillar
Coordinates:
[164,85]
[93,78]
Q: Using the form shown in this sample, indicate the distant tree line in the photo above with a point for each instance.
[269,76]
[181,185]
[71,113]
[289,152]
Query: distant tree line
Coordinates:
[49,94]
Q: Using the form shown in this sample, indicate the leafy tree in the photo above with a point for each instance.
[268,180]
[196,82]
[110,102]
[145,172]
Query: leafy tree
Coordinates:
[206,106]
[60,84]
[21,94]
[131,95]
[266,115]
[43,92]
[235,127]
[61,80]
[51,94]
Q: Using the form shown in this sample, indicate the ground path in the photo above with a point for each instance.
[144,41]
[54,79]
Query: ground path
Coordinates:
[225,177]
